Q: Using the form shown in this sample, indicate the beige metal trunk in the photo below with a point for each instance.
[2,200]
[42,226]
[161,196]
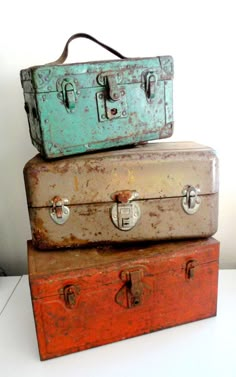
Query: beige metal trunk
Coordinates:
[155,191]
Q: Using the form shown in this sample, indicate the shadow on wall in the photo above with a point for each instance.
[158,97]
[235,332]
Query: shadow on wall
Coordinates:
[15,150]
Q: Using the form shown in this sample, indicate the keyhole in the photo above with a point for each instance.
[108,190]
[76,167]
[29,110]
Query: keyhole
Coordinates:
[113,111]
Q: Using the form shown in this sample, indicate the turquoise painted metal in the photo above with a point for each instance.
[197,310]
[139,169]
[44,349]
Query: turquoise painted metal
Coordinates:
[83,107]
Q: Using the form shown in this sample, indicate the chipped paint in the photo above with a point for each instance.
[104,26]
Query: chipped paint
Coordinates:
[79,295]
[72,109]
[157,172]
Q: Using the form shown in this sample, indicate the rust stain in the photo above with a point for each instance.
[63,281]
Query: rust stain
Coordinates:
[33,174]
[92,166]
[72,239]
[39,234]
[166,130]
[42,242]
[38,223]
[131,176]
[151,214]
[122,196]
[76,183]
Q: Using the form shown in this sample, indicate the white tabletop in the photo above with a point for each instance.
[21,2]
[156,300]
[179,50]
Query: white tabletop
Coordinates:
[203,349]
[7,286]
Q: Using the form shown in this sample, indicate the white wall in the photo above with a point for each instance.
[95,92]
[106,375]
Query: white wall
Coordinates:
[200,35]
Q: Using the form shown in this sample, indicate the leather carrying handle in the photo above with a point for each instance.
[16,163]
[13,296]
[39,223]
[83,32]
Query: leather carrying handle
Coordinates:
[64,54]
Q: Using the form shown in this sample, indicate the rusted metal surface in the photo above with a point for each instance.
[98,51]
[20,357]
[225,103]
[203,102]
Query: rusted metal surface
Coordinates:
[124,196]
[151,176]
[190,267]
[83,107]
[117,293]
[154,176]
[135,289]
[70,295]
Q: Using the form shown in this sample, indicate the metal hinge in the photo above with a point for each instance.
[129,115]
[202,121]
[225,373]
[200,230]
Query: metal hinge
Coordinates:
[111,102]
[134,289]
[124,213]
[68,92]
[59,212]
[191,201]
[69,293]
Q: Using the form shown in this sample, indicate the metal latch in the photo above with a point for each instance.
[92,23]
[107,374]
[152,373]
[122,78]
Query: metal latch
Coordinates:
[189,269]
[69,96]
[134,290]
[69,294]
[59,212]
[150,85]
[111,79]
[68,91]
[124,213]
[191,201]
[111,102]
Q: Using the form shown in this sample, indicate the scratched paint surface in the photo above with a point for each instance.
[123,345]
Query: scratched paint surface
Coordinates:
[174,283]
[84,115]
[157,172]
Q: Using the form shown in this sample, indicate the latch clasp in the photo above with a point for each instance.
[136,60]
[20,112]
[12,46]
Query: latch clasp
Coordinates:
[124,213]
[132,292]
[150,86]
[59,212]
[191,201]
[69,293]
[67,92]
[69,96]
[111,102]
[189,269]
[111,79]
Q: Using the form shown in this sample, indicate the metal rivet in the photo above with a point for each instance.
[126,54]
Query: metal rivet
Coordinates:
[123,113]
[101,96]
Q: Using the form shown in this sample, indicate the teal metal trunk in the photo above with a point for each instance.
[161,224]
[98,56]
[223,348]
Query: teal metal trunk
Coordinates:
[83,107]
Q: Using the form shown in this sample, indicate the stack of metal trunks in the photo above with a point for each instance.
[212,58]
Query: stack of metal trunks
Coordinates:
[121,227]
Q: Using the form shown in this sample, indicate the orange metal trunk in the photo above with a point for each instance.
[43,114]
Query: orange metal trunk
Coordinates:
[84,298]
